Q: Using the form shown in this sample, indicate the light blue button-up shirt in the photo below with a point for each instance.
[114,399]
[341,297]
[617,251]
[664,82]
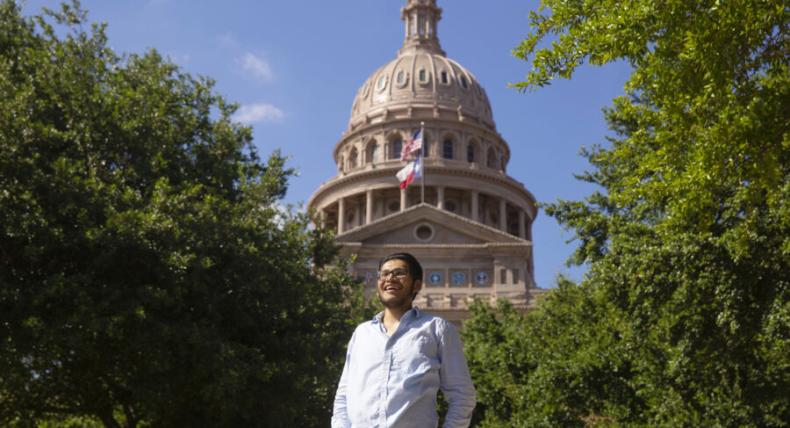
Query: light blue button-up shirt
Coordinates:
[392,381]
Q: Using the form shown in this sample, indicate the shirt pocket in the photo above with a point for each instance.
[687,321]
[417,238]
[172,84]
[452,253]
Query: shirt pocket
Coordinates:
[418,354]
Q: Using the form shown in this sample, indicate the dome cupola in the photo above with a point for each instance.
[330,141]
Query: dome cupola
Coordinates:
[421,18]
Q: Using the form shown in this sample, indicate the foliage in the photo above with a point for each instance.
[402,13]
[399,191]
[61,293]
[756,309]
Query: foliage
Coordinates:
[148,276]
[688,242]
[70,422]
[541,369]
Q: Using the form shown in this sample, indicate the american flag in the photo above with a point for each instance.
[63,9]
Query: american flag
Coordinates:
[412,145]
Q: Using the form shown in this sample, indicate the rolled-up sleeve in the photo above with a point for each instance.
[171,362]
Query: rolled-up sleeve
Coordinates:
[456,383]
[340,411]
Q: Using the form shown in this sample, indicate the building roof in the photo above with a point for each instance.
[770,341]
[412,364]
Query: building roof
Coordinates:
[422,75]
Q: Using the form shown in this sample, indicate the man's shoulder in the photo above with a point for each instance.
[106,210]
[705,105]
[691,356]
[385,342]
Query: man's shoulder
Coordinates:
[364,325]
[439,323]
[426,317]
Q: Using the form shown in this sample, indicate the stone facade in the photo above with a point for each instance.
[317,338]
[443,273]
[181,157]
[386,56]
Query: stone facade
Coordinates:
[469,223]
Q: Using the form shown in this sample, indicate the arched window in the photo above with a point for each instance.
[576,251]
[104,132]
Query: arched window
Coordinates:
[447,149]
[426,146]
[491,160]
[352,159]
[371,151]
[396,146]
[471,152]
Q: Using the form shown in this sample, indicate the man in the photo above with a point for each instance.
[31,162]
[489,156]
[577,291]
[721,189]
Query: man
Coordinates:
[397,362]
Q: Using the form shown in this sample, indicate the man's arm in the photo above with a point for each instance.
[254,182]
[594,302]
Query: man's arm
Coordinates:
[339,412]
[456,384]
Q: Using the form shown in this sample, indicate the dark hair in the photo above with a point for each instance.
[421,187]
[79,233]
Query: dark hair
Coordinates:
[415,270]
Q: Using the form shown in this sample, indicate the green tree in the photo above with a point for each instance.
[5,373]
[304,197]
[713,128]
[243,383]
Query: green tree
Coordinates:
[148,276]
[564,364]
[688,240]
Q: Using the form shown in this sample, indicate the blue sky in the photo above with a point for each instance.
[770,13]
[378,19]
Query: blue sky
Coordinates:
[295,66]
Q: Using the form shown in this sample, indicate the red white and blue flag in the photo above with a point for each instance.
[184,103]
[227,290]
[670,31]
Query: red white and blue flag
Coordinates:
[409,172]
[413,144]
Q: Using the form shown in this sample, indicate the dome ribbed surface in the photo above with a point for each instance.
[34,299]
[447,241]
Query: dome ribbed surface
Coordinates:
[421,78]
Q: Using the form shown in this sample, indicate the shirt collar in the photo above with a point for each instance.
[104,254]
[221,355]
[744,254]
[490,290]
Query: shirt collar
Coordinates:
[414,312]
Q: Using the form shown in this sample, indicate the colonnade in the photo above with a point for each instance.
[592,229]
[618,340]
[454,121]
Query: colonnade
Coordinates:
[352,211]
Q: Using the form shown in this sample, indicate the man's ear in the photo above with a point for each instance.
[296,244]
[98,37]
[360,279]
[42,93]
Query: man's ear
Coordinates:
[417,287]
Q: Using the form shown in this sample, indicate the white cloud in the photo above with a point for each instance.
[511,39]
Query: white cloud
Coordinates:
[258,112]
[257,67]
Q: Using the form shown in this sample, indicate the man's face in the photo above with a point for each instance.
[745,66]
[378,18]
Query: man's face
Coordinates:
[396,287]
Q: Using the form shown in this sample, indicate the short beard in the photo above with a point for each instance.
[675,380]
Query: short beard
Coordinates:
[401,302]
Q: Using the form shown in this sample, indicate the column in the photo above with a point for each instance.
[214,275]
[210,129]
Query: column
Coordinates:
[522,224]
[495,281]
[341,215]
[503,215]
[440,197]
[369,206]
[475,203]
[402,199]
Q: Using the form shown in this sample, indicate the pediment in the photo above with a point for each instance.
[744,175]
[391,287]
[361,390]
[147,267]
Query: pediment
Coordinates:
[410,227]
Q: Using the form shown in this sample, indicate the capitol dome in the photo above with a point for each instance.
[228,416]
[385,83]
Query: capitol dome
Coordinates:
[422,78]
[466,220]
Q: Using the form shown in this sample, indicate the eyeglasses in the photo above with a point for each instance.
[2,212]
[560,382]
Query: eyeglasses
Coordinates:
[396,273]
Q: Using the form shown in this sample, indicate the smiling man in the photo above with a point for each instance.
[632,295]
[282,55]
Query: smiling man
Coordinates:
[398,361]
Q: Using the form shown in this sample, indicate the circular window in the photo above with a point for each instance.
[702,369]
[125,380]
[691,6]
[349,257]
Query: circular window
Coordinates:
[382,83]
[423,232]
[459,278]
[402,78]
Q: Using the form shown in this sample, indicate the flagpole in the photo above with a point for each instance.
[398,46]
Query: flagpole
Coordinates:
[422,173]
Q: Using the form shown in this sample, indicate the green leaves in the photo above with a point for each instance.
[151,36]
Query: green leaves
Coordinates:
[687,239]
[148,274]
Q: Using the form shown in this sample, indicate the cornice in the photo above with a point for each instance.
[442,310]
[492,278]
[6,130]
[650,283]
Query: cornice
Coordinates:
[526,244]
[406,215]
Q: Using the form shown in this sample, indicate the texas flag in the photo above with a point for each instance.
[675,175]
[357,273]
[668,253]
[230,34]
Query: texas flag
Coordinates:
[414,144]
[409,172]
